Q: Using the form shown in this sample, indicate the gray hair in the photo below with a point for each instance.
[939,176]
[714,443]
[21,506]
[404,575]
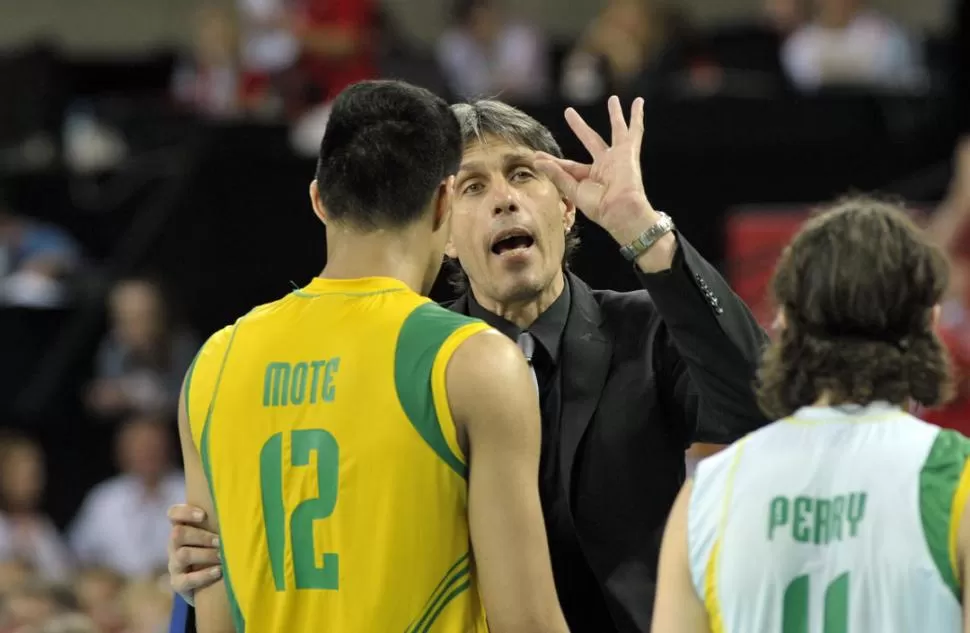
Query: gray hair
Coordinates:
[480,119]
[487,117]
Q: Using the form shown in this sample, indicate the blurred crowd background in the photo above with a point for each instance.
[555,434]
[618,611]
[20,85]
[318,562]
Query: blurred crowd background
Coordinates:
[154,162]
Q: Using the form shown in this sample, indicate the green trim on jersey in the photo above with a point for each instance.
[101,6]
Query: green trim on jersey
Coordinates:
[186,387]
[422,334]
[237,616]
[444,593]
[938,481]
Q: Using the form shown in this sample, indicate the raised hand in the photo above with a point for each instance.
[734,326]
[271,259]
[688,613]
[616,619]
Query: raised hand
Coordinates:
[610,190]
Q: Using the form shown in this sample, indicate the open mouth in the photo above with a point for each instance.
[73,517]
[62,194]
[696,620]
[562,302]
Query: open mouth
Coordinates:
[512,242]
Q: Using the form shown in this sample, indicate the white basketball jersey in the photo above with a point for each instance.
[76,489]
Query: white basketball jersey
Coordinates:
[836,520]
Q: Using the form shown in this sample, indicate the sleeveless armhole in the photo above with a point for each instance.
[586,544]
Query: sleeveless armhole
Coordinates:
[200,381]
[944,488]
[428,339]
[439,389]
[707,516]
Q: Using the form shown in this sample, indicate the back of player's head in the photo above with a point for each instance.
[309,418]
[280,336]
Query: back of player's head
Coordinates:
[857,288]
[387,147]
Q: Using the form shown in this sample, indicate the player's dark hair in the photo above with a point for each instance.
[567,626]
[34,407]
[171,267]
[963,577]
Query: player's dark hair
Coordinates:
[486,118]
[387,147]
[857,287]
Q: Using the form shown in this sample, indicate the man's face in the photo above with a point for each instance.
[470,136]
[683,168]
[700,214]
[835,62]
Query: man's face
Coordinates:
[509,222]
[143,449]
[136,309]
[837,9]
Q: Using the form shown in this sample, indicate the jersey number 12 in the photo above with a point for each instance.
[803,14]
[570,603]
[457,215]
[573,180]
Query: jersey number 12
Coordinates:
[794,616]
[307,574]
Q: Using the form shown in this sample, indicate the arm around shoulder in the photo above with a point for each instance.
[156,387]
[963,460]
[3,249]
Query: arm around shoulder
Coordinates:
[494,403]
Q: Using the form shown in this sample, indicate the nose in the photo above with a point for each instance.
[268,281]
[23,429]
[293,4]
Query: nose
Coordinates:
[504,200]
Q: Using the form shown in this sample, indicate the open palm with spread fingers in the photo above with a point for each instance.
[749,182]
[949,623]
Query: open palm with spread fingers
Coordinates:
[610,190]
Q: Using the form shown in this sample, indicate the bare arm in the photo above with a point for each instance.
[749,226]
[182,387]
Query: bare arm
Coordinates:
[211,603]
[947,223]
[678,608]
[493,399]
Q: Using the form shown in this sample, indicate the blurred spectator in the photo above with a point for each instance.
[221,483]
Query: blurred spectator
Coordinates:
[483,55]
[209,82]
[14,572]
[785,16]
[148,606]
[68,623]
[400,58]
[122,523]
[141,362]
[33,604]
[848,44]
[269,51]
[616,49]
[336,37]
[26,533]
[99,593]
[36,261]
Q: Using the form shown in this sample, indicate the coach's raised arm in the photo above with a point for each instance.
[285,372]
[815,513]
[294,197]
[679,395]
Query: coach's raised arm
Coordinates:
[705,341]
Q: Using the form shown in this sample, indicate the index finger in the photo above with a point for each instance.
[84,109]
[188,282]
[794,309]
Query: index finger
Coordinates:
[592,141]
[183,513]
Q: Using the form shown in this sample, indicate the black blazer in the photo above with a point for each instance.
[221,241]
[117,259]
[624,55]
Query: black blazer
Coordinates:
[645,374]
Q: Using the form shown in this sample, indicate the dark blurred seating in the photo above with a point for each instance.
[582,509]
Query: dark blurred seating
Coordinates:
[26,336]
[32,94]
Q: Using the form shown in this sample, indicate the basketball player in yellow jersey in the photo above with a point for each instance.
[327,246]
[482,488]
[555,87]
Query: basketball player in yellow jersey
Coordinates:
[369,459]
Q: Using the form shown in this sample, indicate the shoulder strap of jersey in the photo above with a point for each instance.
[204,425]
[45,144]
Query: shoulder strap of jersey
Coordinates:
[200,380]
[944,488]
[707,516]
[428,338]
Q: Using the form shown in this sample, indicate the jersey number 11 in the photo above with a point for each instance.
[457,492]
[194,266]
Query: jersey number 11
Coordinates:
[794,616]
[307,574]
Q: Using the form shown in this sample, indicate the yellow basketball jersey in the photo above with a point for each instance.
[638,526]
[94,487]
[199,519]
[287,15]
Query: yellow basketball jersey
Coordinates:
[334,464]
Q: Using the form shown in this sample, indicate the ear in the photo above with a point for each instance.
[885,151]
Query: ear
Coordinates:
[317,203]
[780,323]
[568,213]
[442,204]
[450,249]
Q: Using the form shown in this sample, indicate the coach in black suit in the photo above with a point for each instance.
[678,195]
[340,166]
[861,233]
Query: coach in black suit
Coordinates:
[627,381]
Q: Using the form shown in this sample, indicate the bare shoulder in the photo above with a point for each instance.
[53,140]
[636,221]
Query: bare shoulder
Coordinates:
[485,369]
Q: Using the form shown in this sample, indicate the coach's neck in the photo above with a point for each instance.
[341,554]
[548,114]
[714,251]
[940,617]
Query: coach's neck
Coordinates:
[522,309]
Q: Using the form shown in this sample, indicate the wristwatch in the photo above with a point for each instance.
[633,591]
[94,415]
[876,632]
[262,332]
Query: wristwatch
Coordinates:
[648,238]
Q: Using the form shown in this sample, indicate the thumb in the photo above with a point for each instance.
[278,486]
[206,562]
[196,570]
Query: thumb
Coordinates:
[559,177]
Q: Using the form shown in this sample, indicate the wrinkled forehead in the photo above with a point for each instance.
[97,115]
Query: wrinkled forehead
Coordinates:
[492,152]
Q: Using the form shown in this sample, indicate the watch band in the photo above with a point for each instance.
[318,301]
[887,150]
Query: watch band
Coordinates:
[648,238]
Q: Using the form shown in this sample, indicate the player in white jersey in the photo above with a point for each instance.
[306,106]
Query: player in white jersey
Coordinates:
[847,515]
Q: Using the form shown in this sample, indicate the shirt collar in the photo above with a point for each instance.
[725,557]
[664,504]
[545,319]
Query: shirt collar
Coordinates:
[547,329]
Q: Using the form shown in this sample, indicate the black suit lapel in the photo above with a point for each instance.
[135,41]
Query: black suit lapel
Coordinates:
[585,363]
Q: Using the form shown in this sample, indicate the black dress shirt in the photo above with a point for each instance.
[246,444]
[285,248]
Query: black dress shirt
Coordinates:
[579,592]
